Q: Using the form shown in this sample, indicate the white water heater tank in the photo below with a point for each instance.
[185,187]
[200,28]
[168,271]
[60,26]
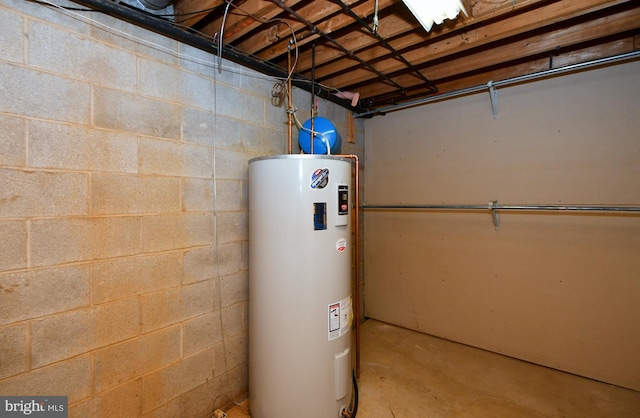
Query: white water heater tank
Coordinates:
[300,309]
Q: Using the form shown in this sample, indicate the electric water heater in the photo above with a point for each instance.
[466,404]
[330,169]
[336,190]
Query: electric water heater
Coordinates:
[300,308]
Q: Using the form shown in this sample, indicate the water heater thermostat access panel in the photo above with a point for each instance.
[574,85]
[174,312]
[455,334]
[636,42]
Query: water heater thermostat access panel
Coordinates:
[342,213]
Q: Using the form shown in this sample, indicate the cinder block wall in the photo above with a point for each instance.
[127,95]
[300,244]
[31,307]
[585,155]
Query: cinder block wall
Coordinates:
[123,214]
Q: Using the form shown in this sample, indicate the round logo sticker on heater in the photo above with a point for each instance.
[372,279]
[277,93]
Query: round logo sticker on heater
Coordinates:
[341,245]
[320,178]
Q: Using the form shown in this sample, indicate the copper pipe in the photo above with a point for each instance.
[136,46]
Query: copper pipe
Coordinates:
[357,254]
[289,100]
[313,98]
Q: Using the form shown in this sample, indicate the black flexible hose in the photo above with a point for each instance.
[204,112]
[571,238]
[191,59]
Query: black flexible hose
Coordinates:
[354,411]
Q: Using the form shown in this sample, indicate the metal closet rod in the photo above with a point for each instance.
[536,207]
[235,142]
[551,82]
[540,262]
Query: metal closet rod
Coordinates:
[496,206]
[493,208]
[506,82]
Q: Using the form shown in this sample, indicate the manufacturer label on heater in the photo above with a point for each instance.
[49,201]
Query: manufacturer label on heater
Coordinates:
[320,178]
[339,318]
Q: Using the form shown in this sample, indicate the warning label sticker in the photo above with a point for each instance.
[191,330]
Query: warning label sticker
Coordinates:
[340,318]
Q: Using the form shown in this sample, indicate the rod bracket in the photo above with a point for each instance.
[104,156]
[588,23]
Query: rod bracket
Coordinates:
[493,95]
[494,214]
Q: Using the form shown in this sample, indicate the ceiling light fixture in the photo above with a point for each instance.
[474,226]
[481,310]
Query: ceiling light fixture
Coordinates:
[429,12]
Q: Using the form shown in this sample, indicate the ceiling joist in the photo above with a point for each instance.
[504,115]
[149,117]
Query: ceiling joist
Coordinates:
[400,60]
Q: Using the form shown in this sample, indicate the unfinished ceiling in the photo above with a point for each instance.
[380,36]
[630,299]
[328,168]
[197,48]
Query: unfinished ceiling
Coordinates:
[339,48]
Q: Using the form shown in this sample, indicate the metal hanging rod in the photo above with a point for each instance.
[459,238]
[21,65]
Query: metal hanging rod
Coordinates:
[511,207]
[506,82]
[493,207]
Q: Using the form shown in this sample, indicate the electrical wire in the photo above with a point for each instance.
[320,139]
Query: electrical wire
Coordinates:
[354,407]
[197,12]
[248,73]
[376,21]
[74,12]
[221,34]
[293,41]
[218,282]
[282,86]
[77,9]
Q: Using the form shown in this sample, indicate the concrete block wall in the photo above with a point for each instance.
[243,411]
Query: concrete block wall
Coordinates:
[123,214]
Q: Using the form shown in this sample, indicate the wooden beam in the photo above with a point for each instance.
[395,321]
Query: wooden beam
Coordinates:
[351,128]
[337,22]
[521,67]
[191,6]
[398,25]
[603,50]
[247,17]
[358,40]
[534,45]
[494,33]
[479,36]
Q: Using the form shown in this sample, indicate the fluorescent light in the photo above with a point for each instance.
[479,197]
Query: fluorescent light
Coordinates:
[429,12]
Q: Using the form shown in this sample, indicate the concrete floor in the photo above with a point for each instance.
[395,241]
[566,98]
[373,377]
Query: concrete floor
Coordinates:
[406,374]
